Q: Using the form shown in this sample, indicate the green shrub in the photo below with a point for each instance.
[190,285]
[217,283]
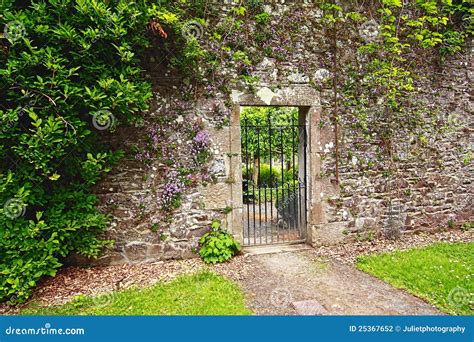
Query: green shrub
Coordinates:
[217,245]
[288,175]
[70,71]
[267,178]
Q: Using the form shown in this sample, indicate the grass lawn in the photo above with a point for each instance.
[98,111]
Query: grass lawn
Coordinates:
[441,274]
[202,293]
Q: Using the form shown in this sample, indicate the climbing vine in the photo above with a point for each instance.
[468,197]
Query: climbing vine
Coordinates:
[374,94]
[379,89]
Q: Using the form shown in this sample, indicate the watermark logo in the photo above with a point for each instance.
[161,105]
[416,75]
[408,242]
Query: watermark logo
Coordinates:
[455,119]
[104,299]
[192,30]
[369,30]
[322,75]
[103,120]
[281,297]
[47,329]
[459,296]
[14,31]
[14,208]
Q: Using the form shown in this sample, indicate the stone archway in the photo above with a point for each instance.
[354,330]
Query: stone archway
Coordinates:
[307,100]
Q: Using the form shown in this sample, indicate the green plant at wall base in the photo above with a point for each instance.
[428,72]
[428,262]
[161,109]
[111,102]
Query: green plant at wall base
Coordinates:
[217,245]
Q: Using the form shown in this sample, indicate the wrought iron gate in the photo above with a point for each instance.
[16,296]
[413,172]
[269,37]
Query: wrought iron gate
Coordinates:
[274,180]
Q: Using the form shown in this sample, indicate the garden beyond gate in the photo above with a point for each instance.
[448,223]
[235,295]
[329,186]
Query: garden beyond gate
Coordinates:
[274,175]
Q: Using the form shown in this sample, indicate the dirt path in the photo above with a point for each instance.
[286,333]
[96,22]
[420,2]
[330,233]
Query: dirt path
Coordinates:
[292,283]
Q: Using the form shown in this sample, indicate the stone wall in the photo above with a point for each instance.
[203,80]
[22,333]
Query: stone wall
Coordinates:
[432,188]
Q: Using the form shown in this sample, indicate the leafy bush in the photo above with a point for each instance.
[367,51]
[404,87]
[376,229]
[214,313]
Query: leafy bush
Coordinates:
[265,177]
[69,71]
[288,175]
[217,245]
[69,74]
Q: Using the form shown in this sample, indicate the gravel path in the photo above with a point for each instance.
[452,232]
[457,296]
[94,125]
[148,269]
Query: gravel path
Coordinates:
[273,283]
[283,280]
[326,277]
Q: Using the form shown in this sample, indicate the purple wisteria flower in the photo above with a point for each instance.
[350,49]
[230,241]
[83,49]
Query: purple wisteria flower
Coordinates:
[201,147]
[172,191]
[154,136]
[201,141]
[202,138]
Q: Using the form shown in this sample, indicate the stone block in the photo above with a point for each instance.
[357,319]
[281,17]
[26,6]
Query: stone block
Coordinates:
[328,234]
[309,308]
[135,251]
[216,196]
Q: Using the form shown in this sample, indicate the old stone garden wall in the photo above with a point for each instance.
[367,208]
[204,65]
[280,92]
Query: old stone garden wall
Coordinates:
[433,188]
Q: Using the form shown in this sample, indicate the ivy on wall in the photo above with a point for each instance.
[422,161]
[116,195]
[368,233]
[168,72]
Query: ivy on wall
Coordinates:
[378,89]
[375,92]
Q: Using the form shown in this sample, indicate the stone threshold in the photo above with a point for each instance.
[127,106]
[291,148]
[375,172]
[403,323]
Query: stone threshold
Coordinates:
[275,248]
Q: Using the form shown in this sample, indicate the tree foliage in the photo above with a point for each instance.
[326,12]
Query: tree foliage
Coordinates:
[270,131]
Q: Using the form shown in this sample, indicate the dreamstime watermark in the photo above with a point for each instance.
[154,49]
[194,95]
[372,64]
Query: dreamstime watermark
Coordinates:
[103,299]
[281,297]
[293,194]
[322,75]
[369,30]
[14,31]
[459,296]
[369,207]
[14,208]
[192,30]
[47,329]
[103,120]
